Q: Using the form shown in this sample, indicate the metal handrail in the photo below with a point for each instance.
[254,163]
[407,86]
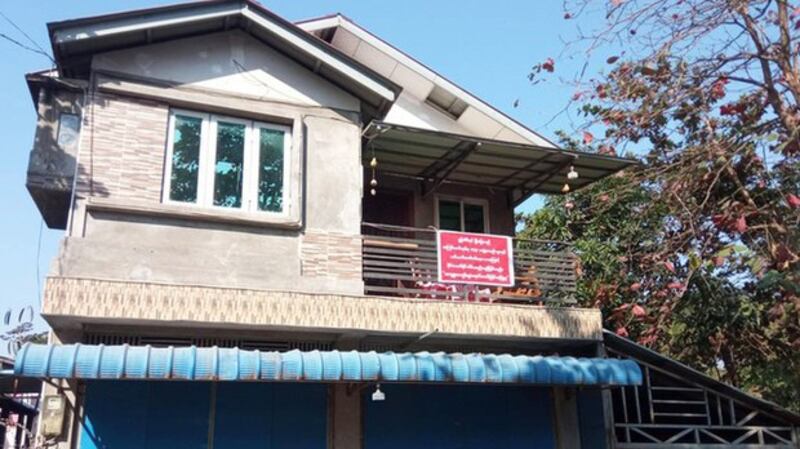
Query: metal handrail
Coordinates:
[433,229]
[401,261]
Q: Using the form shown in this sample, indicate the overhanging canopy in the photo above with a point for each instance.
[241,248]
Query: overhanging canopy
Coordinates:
[522,169]
[232,364]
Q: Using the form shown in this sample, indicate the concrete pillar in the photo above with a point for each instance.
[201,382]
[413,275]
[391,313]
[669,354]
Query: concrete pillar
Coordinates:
[568,433]
[344,417]
[71,390]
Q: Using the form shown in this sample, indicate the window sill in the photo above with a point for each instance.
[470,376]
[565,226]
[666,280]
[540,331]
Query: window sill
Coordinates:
[191,213]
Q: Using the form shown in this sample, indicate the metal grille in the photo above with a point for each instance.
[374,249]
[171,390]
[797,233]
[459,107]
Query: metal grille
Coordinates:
[206,342]
[670,412]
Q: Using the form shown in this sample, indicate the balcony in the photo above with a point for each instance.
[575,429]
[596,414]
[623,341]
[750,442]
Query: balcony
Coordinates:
[401,261]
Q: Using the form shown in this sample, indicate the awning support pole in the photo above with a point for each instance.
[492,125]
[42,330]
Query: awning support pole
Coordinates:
[525,191]
[447,169]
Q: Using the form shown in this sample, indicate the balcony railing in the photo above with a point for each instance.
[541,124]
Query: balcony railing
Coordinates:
[402,261]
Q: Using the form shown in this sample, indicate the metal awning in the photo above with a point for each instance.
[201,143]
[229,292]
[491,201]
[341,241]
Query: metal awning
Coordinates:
[232,364]
[436,157]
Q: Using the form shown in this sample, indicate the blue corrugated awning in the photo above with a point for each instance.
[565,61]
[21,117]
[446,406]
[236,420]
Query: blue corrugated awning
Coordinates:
[231,364]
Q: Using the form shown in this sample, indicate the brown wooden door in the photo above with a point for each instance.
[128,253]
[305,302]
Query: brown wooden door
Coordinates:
[391,207]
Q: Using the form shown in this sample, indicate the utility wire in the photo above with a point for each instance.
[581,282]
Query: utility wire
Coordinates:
[38,263]
[38,49]
[25,47]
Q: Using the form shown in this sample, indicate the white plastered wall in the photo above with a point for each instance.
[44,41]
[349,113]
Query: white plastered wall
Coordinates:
[229,61]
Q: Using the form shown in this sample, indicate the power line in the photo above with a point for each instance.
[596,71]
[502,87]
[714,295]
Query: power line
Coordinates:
[38,263]
[38,49]
[25,47]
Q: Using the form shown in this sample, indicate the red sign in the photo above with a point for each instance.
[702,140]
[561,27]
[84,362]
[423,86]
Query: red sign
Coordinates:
[466,258]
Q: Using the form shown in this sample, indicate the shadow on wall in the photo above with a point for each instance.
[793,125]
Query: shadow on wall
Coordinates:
[52,162]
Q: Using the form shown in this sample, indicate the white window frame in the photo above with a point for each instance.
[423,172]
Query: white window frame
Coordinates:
[207,161]
[462,200]
[254,161]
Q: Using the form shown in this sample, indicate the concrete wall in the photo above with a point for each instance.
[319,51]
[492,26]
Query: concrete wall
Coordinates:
[121,229]
[51,166]
[409,110]
[232,62]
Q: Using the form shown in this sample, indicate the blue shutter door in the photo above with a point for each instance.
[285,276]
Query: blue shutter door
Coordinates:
[271,416]
[150,415]
[459,417]
[175,415]
[115,415]
[590,416]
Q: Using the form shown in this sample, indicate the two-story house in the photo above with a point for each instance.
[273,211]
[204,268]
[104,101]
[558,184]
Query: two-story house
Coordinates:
[253,213]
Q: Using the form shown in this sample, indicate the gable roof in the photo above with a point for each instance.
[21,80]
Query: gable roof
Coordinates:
[75,41]
[479,117]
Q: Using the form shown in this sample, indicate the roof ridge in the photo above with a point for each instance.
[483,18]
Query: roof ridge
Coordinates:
[524,128]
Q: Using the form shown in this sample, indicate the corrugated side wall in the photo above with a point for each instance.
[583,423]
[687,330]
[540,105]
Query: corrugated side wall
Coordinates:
[450,417]
[172,415]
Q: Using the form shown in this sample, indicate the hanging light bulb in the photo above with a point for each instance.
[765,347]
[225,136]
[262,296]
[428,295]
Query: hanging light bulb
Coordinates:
[572,174]
[565,189]
[378,395]
[373,164]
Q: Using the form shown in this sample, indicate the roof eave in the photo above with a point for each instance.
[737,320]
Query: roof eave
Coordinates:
[36,80]
[406,59]
[371,87]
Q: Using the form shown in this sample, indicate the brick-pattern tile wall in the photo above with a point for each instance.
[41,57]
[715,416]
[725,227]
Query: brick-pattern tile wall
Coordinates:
[108,300]
[122,148]
[330,255]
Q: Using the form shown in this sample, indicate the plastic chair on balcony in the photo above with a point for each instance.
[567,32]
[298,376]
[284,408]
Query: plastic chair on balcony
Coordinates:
[526,288]
[426,285]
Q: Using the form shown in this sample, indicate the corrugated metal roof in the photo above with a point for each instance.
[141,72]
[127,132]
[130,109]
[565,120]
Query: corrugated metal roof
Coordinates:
[519,168]
[232,364]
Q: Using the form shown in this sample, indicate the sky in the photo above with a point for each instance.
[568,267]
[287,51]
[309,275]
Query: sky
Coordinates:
[485,47]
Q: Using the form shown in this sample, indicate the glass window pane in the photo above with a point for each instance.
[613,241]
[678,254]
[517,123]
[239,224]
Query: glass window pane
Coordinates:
[473,218]
[270,170]
[185,159]
[228,169]
[68,127]
[449,215]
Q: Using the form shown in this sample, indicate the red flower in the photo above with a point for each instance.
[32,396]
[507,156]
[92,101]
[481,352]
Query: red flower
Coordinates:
[793,200]
[731,109]
[718,88]
[549,65]
[741,224]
